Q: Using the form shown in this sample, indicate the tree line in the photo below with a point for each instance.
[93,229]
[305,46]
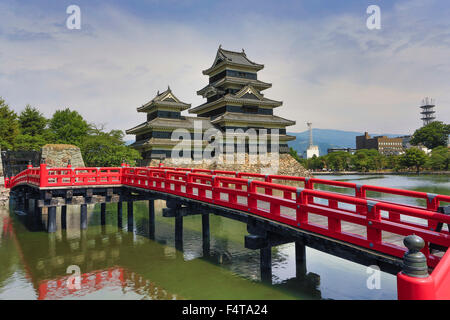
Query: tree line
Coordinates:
[30,130]
[434,136]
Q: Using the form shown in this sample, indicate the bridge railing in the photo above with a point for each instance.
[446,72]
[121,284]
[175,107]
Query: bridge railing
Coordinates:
[68,176]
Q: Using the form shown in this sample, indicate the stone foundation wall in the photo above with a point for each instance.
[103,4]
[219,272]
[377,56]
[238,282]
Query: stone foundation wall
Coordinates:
[4,194]
[58,155]
[287,165]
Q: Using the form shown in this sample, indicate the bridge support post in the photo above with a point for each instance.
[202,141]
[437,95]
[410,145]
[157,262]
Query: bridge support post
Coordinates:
[300,259]
[83,217]
[119,214]
[103,214]
[151,219]
[64,217]
[26,208]
[205,235]
[130,216]
[266,264]
[51,219]
[37,219]
[179,232]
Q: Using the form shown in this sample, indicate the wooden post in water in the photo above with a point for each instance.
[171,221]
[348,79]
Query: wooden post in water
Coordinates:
[26,208]
[179,232]
[64,217]
[119,214]
[205,235]
[37,219]
[103,214]
[300,259]
[266,264]
[51,219]
[151,219]
[83,217]
[130,216]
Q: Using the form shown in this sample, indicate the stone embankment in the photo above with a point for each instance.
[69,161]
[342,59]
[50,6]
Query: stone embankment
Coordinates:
[59,155]
[287,165]
[4,194]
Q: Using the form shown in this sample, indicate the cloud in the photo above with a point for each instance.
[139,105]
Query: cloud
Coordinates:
[332,70]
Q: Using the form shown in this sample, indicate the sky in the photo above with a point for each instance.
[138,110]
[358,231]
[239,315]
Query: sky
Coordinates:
[323,62]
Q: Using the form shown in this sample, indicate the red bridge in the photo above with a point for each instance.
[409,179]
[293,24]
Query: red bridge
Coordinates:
[332,221]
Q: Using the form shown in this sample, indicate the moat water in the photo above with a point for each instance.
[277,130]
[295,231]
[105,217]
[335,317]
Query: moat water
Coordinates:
[117,264]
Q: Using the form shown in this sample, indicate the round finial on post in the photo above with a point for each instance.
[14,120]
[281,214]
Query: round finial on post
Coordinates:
[414,261]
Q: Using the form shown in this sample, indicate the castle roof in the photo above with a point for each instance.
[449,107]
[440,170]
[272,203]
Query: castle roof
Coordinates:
[164,99]
[167,123]
[252,118]
[232,58]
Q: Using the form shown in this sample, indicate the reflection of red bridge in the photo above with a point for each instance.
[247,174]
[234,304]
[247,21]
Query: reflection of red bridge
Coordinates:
[89,282]
[355,220]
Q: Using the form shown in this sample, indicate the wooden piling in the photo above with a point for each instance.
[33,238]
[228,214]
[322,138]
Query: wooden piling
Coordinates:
[51,219]
[130,216]
[266,264]
[103,214]
[119,214]
[179,232]
[83,216]
[206,235]
[151,219]
[300,259]
[64,217]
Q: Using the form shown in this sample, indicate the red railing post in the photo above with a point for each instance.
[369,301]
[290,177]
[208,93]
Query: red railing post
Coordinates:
[215,184]
[251,200]
[433,205]
[334,224]
[414,282]
[267,178]
[373,215]
[309,184]
[43,175]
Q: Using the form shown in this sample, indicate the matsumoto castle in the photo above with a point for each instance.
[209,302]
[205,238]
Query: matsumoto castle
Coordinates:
[233,101]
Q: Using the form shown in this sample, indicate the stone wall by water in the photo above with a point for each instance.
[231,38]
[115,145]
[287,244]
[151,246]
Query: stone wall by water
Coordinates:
[58,155]
[4,194]
[287,166]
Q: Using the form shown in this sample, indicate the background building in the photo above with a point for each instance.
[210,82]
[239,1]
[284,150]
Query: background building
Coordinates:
[383,144]
[349,150]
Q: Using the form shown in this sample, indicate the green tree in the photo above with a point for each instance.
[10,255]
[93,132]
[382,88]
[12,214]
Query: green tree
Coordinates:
[367,159]
[338,161]
[32,122]
[68,126]
[432,135]
[33,132]
[440,158]
[107,149]
[9,126]
[28,142]
[315,163]
[393,162]
[413,157]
